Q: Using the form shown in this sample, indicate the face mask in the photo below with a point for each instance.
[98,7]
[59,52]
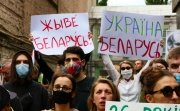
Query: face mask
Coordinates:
[177,76]
[126,74]
[73,68]
[22,70]
[61,97]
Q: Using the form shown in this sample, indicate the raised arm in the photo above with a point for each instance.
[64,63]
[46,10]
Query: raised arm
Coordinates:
[111,70]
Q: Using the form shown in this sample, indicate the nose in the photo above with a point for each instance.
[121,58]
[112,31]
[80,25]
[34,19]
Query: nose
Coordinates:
[103,95]
[174,96]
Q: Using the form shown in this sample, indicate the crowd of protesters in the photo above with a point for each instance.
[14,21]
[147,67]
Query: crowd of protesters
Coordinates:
[30,87]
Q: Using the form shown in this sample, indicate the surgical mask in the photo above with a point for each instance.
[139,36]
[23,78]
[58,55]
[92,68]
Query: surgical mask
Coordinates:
[73,68]
[126,74]
[22,70]
[61,97]
[177,76]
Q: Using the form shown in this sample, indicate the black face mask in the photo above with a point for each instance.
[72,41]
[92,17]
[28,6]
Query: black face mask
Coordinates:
[61,97]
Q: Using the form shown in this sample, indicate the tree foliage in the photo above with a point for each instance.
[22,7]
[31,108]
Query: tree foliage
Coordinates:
[156,2]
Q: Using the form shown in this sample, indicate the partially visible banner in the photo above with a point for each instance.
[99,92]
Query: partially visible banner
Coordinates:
[130,106]
[172,39]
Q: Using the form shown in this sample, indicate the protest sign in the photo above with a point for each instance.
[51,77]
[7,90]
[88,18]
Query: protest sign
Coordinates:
[53,33]
[131,35]
[130,106]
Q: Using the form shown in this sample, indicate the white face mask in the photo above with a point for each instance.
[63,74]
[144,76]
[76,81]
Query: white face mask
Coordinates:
[126,74]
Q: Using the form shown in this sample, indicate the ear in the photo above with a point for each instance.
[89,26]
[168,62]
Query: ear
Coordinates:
[149,98]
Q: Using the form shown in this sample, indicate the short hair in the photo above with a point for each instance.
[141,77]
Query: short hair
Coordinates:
[159,60]
[74,50]
[142,62]
[150,76]
[116,97]
[174,53]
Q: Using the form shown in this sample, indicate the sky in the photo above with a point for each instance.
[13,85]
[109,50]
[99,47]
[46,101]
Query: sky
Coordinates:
[125,2]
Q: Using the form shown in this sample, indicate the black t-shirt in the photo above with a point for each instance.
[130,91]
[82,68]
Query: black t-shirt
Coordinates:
[82,93]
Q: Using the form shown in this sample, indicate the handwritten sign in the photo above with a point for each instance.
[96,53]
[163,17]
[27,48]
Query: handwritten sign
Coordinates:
[131,35]
[53,33]
[128,106]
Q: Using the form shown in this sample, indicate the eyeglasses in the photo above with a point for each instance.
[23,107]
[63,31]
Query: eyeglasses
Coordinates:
[123,68]
[168,91]
[73,59]
[174,66]
[21,61]
[64,88]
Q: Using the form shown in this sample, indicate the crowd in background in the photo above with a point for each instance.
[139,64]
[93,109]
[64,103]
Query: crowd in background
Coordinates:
[35,87]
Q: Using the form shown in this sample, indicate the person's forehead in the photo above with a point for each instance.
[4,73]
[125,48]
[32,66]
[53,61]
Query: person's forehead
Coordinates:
[22,57]
[174,60]
[166,81]
[63,81]
[138,62]
[70,55]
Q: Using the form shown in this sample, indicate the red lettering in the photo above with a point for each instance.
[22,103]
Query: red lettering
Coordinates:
[67,39]
[67,23]
[73,22]
[150,50]
[38,45]
[129,46]
[58,26]
[54,42]
[120,42]
[157,52]
[147,47]
[85,42]
[62,42]
[104,45]
[47,25]
[45,43]
[138,42]
[110,44]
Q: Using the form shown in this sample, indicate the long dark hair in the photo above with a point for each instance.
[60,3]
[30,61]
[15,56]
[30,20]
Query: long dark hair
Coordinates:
[15,78]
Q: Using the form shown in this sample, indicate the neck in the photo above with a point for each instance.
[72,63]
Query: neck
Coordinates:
[81,76]
[62,107]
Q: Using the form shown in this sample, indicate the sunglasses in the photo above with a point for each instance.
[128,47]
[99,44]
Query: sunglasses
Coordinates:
[168,91]
[123,68]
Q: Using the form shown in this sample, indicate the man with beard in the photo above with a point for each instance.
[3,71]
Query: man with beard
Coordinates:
[74,62]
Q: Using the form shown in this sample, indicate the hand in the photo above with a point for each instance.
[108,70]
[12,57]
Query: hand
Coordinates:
[90,36]
[162,43]
[1,79]
[100,39]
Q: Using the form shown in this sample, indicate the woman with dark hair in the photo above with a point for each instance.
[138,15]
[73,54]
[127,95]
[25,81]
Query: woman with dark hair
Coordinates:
[159,62]
[160,86]
[62,88]
[32,95]
[102,90]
